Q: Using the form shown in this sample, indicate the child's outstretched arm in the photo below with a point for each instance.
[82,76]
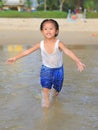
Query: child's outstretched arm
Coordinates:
[80,65]
[25,53]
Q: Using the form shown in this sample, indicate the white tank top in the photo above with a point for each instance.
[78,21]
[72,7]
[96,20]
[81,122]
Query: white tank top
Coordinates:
[53,60]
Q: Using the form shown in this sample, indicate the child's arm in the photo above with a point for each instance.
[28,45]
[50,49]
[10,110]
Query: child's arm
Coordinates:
[73,56]
[25,53]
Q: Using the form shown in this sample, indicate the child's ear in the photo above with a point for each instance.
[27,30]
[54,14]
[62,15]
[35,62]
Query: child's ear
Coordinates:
[57,32]
[41,31]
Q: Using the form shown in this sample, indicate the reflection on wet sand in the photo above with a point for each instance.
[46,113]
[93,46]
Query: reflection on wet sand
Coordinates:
[55,117]
[75,108]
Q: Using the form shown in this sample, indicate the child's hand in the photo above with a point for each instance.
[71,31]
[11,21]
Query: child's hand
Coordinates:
[81,66]
[11,60]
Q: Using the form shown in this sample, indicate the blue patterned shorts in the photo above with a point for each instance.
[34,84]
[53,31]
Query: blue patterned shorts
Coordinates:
[52,77]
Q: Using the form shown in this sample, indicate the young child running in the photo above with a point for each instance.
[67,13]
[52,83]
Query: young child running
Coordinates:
[52,71]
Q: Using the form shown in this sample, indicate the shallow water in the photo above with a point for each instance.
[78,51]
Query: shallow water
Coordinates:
[76,108]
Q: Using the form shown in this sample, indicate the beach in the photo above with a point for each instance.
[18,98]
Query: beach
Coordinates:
[76,107]
[23,31]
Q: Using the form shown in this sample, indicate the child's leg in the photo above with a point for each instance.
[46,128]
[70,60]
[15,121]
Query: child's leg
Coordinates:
[45,97]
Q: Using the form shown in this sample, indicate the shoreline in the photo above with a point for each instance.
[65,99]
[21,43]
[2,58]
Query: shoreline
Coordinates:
[23,31]
[34,24]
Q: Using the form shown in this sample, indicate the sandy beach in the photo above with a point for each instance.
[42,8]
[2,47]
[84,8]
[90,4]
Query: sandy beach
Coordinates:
[18,31]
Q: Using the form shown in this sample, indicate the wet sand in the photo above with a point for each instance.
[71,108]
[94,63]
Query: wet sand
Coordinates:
[23,31]
[76,107]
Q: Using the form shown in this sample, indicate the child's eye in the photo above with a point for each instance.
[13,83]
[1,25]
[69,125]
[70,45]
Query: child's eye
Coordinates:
[45,28]
[51,28]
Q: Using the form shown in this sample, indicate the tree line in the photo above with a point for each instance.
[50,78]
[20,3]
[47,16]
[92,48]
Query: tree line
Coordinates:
[64,5]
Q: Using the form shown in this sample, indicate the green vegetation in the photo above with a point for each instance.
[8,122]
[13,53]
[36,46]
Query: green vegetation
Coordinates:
[36,14]
[53,9]
[1,4]
[40,14]
[64,5]
[92,15]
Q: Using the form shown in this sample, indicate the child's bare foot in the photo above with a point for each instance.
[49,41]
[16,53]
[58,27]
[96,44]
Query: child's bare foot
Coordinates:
[45,103]
[54,93]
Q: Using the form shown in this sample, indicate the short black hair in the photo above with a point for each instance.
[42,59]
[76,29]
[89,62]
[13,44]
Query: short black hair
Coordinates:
[52,21]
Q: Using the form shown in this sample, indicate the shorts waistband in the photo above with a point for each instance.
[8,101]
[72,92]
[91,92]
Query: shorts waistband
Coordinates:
[52,68]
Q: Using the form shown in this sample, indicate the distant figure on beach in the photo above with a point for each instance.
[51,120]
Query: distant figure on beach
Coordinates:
[84,15]
[71,17]
[52,70]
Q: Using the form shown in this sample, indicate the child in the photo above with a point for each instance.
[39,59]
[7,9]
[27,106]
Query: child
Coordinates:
[52,71]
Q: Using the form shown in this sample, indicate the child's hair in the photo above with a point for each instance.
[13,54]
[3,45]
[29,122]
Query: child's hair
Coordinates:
[51,21]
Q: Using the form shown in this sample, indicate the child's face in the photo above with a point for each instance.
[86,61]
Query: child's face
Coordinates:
[49,30]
